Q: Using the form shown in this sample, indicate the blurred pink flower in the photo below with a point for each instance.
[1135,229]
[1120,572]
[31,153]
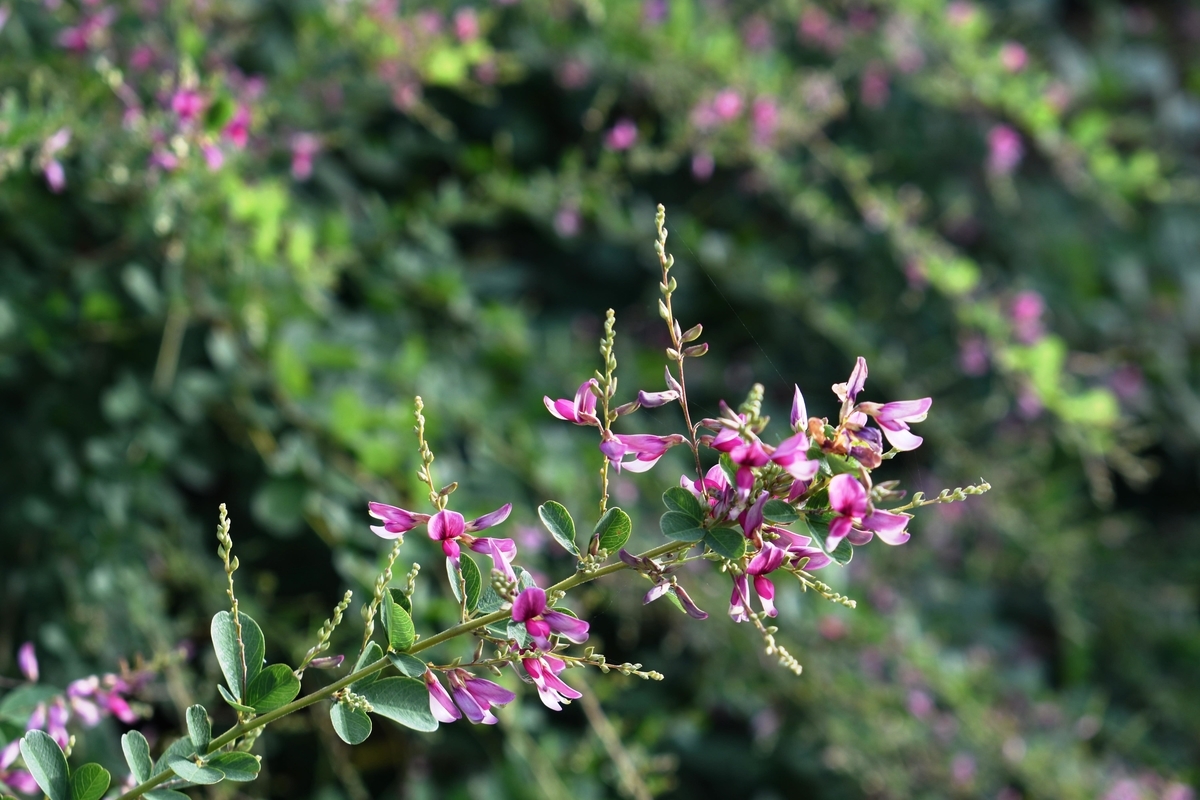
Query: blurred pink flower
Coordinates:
[304,147]
[962,769]
[572,74]
[237,130]
[1005,150]
[622,135]
[960,12]
[213,157]
[188,105]
[765,116]
[1025,313]
[466,25]
[727,104]
[567,222]
[973,356]
[920,704]
[873,87]
[756,33]
[1013,56]
[654,12]
[702,166]
[142,57]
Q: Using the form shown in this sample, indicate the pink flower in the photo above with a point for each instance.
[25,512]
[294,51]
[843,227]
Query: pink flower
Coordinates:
[237,130]
[56,177]
[654,11]
[543,671]
[756,33]
[440,704]
[304,147]
[213,157]
[621,136]
[566,225]
[16,779]
[540,620]
[856,519]
[765,116]
[1026,315]
[466,25]
[188,105]
[142,58]
[27,662]
[973,356]
[727,105]
[1005,150]
[645,448]
[1013,56]
[895,417]
[873,87]
[581,410]
[450,528]
[476,696]
[702,166]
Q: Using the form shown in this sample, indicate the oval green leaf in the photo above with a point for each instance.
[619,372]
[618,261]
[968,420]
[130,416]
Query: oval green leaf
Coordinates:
[472,580]
[680,500]
[558,521]
[199,728]
[166,794]
[229,655]
[613,529]
[234,704]
[352,725]
[370,655]
[680,527]
[410,666]
[137,755]
[403,700]
[238,767]
[192,772]
[89,782]
[779,511]
[46,762]
[180,748]
[275,686]
[726,542]
[400,629]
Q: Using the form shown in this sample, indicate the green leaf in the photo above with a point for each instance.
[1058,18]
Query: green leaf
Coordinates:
[408,665]
[166,794]
[613,529]
[238,767]
[192,772]
[234,704]
[404,700]
[471,578]
[180,748]
[46,762]
[18,704]
[681,527]
[89,782]
[516,631]
[401,599]
[400,629]
[779,511]
[229,656]
[137,755]
[558,521]
[370,655]
[679,499]
[729,468]
[275,686]
[199,728]
[726,542]
[489,601]
[524,579]
[352,725]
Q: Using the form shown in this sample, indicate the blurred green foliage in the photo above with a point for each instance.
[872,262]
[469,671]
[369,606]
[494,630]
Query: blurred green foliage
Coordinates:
[174,335]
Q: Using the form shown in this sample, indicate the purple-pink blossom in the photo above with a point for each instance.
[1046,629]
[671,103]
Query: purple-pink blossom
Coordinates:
[466,25]
[449,528]
[540,620]
[237,130]
[581,410]
[621,136]
[894,419]
[543,671]
[56,177]
[1005,150]
[854,517]
[188,105]
[474,697]
[305,147]
[1013,56]
[18,780]
[764,115]
[703,166]
[1026,316]
[27,662]
[645,448]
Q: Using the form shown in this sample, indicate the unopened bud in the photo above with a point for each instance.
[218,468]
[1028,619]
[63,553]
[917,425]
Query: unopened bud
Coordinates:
[628,408]
[693,333]
[696,350]
[448,489]
[672,354]
[663,311]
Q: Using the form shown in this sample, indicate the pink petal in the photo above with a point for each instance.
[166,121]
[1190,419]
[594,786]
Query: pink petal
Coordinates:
[902,440]
[638,464]
[488,520]
[838,529]
[905,410]
[502,551]
[440,704]
[768,559]
[847,496]
[560,408]
[529,603]
[575,630]
[656,399]
[799,417]
[887,526]
[491,693]
[446,525]
[766,593]
[27,661]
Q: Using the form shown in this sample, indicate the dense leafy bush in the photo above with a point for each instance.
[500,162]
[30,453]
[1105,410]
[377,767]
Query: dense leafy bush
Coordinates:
[238,237]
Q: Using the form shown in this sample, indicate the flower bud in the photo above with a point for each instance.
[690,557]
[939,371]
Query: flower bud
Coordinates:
[662,310]
[628,408]
[696,350]
[448,489]
[693,333]
[672,354]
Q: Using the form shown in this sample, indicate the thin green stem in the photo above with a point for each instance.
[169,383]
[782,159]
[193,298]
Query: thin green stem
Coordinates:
[450,633]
